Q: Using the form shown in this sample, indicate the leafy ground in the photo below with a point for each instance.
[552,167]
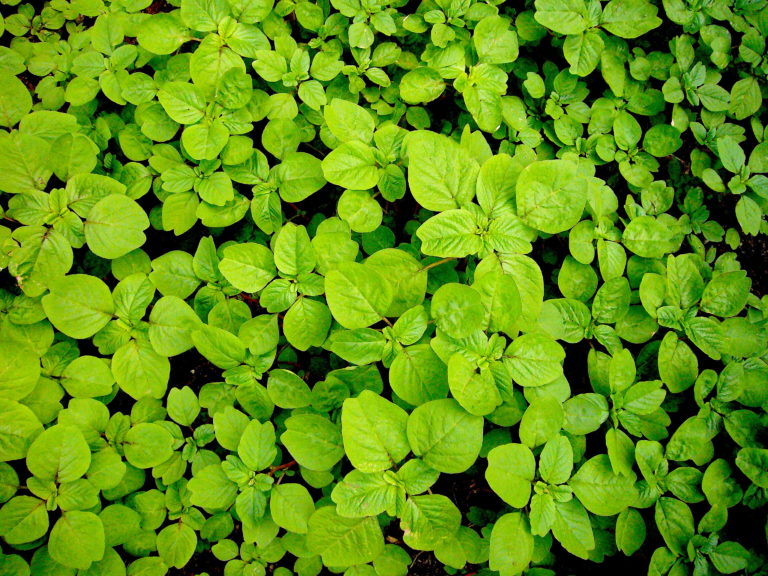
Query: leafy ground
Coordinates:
[383,288]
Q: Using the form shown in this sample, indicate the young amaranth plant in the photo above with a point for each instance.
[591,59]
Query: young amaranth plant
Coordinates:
[382,288]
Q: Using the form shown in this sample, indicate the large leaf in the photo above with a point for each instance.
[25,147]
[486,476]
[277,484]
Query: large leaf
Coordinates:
[115,226]
[440,176]
[510,473]
[374,432]
[343,541]
[445,436]
[79,305]
[357,296]
[511,544]
[77,540]
[600,490]
[551,195]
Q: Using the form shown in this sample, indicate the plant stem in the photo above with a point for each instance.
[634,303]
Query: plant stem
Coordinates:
[436,264]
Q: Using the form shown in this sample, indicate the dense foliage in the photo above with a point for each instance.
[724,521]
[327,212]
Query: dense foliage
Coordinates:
[383,287]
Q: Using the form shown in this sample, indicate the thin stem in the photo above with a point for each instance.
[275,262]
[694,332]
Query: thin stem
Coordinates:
[281,467]
[436,264]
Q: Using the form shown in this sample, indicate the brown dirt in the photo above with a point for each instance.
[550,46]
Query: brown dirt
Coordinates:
[752,254]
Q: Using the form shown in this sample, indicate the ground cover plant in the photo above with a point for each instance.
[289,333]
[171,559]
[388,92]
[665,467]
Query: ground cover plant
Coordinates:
[383,288]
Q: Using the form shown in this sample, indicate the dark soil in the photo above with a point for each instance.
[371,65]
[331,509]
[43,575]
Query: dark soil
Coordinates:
[752,258]
[191,369]
[158,6]
[425,564]
[201,563]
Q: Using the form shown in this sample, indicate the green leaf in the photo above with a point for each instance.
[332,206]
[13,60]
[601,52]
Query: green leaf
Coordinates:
[726,294]
[307,323]
[352,165]
[343,541]
[211,489]
[206,140]
[79,305]
[291,506]
[162,34]
[749,215]
[600,490]
[15,100]
[573,529]
[287,390]
[440,175]
[534,360]
[23,519]
[429,520]
[171,324]
[87,377]
[421,85]
[662,140]
[115,226]
[556,460]
[582,51]
[458,310]
[248,266]
[348,121]
[511,544]
[140,371]
[374,432]
[678,366]
[77,154]
[445,436]
[204,15]
[630,18]
[541,421]
[562,16]
[300,175]
[689,439]
[406,276]
[745,98]
[674,520]
[229,425]
[256,447]
[77,540]
[359,495]
[183,102]
[183,405]
[494,42]
[453,233]
[551,195]
[730,557]
[19,377]
[360,210]
[730,154]
[147,445]
[20,426]
[294,253]
[510,473]
[24,162]
[477,393]
[585,413]
[361,346]
[176,544]
[753,462]
[251,11]
[630,531]
[417,375]
[357,295]
[60,454]
[621,451]
[649,238]
[314,442]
